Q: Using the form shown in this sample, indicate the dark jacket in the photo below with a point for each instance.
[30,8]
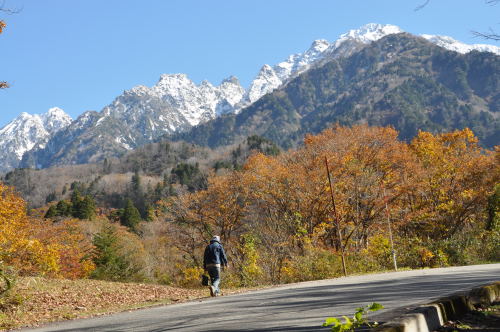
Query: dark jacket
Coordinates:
[214,254]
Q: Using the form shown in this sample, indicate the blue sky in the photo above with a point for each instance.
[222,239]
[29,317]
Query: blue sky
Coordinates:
[80,54]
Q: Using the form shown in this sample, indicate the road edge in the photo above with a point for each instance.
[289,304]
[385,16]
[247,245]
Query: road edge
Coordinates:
[429,317]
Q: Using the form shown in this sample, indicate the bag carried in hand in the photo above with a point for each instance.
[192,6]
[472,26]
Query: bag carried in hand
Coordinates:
[204,280]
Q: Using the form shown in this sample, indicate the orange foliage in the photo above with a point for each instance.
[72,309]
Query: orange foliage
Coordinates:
[34,247]
[73,248]
[430,188]
[368,166]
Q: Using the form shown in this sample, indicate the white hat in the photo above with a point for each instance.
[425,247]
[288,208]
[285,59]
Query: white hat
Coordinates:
[216,238]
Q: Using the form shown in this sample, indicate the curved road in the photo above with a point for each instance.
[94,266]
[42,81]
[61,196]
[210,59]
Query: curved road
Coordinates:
[296,307]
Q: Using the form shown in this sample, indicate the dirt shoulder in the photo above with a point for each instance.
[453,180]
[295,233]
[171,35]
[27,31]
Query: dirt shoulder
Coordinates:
[39,300]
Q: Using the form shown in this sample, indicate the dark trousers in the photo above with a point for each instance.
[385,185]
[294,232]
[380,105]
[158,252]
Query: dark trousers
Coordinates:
[214,273]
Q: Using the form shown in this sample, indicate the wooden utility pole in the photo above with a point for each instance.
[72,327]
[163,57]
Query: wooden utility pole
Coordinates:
[390,233]
[337,222]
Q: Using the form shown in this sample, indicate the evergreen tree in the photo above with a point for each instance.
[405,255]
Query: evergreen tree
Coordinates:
[86,209]
[136,182]
[130,216]
[137,194]
[64,208]
[51,212]
[110,263]
[189,175]
[76,199]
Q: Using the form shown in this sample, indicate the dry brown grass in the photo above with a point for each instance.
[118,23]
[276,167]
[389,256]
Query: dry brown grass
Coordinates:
[47,300]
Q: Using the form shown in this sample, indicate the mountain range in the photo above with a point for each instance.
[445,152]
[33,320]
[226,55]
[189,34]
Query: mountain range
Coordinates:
[177,105]
[400,80]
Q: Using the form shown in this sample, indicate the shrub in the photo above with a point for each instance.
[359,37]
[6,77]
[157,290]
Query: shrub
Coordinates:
[191,277]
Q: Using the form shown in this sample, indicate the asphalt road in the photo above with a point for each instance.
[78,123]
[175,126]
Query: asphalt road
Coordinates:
[296,307]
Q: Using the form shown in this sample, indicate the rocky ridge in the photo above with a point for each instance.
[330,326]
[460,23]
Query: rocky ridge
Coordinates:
[175,103]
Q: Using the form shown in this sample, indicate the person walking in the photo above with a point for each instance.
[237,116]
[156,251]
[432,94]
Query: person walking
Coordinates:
[213,259]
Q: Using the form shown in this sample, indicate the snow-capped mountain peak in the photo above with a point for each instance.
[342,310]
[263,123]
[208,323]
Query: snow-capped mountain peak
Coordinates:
[454,45]
[369,33]
[266,81]
[319,45]
[26,131]
[174,85]
[55,111]
[55,119]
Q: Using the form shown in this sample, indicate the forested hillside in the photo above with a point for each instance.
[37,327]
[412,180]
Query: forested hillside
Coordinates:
[144,175]
[438,197]
[401,80]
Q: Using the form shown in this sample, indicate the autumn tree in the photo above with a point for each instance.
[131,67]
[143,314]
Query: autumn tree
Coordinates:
[73,247]
[34,247]
[369,165]
[276,212]
[453,191]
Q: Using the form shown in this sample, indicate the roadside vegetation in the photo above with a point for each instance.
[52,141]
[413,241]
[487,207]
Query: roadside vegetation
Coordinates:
[482,319]
[433,202]
[38,300]
[358,320]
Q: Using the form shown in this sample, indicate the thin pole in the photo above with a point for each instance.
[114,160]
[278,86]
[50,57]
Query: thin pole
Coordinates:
[337,223]
[390,233]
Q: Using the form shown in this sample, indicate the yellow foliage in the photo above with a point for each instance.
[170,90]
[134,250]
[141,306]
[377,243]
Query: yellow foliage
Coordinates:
[191,277]
[251,271]
[426,256]
[34,247]
[455,181]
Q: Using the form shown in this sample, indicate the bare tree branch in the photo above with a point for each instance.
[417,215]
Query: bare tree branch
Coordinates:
[7,10]
[492,35]
[489,2]
[422,5]
[3,84]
